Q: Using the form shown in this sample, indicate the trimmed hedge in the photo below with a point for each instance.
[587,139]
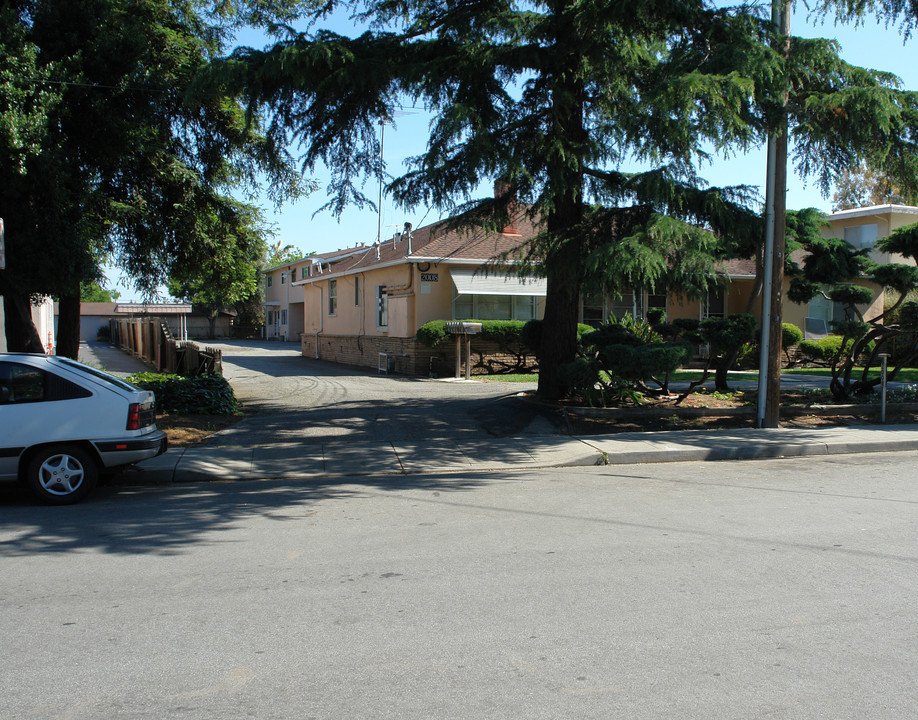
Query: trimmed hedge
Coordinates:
[200,395]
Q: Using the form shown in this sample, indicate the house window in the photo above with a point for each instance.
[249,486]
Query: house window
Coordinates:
[332,297]
[270,280]
[821,315]
[382,307]
[494,307]
[524,307]
[283,318]
[592,309]
[715,303]
[862,236]
[283,278]
[357,290]
[304,272]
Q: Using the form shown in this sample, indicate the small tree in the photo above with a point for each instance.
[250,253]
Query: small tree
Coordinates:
[828,271]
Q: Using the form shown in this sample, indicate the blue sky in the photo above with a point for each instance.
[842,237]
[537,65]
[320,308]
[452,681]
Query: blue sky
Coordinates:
[871,45]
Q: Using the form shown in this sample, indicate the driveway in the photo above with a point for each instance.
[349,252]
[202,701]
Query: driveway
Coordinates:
[298,399]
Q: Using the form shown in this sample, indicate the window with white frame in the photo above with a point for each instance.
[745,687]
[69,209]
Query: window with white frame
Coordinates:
[862,236]
[596,308]
[332,297]
[270,280]
[494,307]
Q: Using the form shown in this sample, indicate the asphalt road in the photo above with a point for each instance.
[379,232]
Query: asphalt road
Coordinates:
[757,589]
[301,399]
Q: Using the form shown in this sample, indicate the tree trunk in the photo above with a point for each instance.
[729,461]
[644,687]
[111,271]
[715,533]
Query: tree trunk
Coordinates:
[68,326]
[563,254]
[559,326]
[21,333]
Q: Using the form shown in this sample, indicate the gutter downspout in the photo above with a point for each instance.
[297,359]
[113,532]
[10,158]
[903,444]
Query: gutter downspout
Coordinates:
[321,322]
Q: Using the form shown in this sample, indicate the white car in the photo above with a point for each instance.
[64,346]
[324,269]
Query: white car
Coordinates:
[62,423]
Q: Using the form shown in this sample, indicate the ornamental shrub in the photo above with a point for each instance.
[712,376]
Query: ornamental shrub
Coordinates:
[828,350]
[790,335]
[433,333]
[531,335]
[207,394]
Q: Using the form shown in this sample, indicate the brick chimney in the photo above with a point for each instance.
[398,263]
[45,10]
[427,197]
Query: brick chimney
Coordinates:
[502,189]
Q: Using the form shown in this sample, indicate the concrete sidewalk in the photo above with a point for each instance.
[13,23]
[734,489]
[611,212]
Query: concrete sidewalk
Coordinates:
[338,459]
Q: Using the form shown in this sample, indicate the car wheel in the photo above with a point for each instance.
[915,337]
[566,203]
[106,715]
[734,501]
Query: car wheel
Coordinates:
[62,475]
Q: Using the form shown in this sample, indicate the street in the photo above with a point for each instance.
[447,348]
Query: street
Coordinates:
[778,588]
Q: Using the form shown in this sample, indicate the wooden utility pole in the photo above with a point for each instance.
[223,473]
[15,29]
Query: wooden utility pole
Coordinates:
[776,211]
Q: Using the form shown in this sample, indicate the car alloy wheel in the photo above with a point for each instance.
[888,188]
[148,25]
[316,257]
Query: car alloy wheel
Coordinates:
[62,475]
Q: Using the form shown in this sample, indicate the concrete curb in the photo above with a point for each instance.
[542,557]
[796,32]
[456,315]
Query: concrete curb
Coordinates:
[340,459]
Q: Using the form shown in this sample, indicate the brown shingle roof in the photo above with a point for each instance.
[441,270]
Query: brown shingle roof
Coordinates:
[442,241]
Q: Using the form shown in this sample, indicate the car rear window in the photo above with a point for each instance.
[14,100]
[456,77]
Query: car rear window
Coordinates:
[24,384]
[99,374]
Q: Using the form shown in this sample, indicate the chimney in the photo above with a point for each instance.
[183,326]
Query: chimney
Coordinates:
[502,191]
[407,234]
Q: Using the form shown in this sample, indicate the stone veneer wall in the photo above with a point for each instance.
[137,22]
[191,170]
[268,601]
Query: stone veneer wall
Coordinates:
[409,357]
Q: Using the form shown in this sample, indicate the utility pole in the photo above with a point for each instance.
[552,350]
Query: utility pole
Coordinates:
[769,409]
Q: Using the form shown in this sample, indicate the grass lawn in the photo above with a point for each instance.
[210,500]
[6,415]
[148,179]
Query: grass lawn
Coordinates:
[906,375]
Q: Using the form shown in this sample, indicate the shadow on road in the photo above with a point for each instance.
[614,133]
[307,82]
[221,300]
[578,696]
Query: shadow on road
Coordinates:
[169,519]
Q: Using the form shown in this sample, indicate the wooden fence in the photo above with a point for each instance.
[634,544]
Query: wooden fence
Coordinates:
[150,340]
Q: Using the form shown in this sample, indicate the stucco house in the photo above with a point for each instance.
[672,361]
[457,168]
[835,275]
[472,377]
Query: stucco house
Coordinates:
[861,227]
[363,305]
[284,319]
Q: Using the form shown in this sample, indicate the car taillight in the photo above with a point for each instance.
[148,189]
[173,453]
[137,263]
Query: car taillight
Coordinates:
[133,422]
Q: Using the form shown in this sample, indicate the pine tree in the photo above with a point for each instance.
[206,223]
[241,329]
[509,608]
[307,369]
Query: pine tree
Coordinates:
[550,98]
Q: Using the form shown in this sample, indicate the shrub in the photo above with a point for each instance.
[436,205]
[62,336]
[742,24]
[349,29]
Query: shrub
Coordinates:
[828,350]
[531,335]
[432,333]
[202,395]
[104,334]
[790,335]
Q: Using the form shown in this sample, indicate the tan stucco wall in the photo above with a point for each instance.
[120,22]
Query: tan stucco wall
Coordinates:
[886,222]
[412,302]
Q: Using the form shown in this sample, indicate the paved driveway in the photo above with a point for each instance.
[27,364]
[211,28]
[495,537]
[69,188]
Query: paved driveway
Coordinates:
[299,399]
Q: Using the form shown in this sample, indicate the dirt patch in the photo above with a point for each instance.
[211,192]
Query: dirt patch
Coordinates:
[798,410]
[186,430]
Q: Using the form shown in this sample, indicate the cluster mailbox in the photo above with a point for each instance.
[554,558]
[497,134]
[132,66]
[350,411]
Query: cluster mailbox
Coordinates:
[463,330]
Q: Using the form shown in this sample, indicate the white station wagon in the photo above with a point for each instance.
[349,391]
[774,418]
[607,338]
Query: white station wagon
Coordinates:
[62,423]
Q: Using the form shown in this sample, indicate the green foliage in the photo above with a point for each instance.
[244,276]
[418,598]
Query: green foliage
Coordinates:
[747,358]
[92,291]
[104,152]
[547,96]
[790,335]
[506,333]
[851,294]
[902,241]
[827,351]
[104,333]
[643,362]
[531,335]
[900,278]
[201,395]
[433,333]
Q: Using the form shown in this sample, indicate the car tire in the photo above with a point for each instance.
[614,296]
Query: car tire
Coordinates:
[62,474]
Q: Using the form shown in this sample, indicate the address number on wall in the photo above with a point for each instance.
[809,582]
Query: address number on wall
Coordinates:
[430,277]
